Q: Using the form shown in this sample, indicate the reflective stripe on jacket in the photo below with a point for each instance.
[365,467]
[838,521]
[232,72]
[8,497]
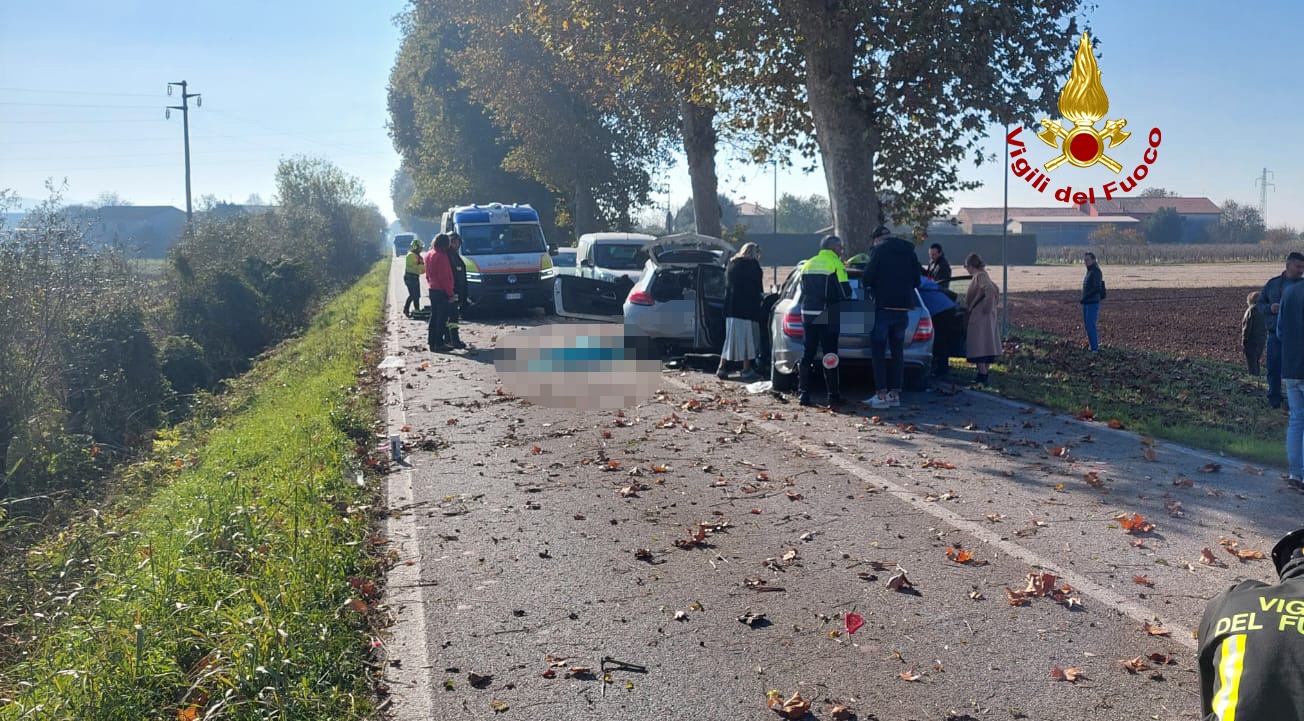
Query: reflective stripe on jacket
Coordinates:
[824,283]
[413,263]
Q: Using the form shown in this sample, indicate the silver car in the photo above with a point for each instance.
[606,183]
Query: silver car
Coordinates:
[786,335]
[678,299]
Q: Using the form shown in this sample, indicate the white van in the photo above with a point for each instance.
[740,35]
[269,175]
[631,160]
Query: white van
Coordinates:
[609,256]
[508,262]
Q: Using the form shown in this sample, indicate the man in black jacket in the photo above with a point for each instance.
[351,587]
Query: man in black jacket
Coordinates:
[891,278]
[1269,303]
[1252,644]
[1093,291]
[939,269]
[1289,330]
[455,308]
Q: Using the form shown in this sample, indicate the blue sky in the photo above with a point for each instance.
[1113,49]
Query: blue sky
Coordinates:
[82,93]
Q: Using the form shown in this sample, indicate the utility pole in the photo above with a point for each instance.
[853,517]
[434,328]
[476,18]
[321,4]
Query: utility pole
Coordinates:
[1263,183]
[184,107]
[776,196]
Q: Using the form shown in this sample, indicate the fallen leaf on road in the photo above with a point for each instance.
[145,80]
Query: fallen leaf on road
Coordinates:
[757,511]
[1155,630]
[976,595]
[752,619]
[1092,478]
[1148,453]
[789,555]
[1144,581]
[1017,598]
[478,681]
[642,554]
[994,517]
[1116,424]
[840,713]
[794,707]
[792,496]
[1245,554]
[661,468]
[853,621]
[959,555]
[579,672]
[1174,508]
[499,706]
[1134,523]
[934,463]
[1207,557]
[1184,483]
[1065,674]
[1211,467]
[1135,665]
[1086,414]
[1058,451]
[632,491]
[1162,659]
[452,422]
[535,450]
[1040,583]
[898,581]
[1214,492]
[550,673]
[1252,470]
[681,616]
[909,675]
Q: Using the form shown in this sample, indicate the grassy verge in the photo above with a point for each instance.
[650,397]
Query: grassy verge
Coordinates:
[238,589]
[1200,403]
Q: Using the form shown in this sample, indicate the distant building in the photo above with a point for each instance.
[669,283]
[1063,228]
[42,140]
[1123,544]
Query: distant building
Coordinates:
[1198,213]
[1067,229]
[756,218]
[986,221]
[146,230]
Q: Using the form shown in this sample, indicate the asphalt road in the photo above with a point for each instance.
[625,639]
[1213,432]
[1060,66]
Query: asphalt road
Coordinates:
[516,545]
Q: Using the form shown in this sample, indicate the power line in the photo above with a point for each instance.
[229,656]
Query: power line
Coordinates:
[46,91]
[154,139]
[98,121]
[72,105]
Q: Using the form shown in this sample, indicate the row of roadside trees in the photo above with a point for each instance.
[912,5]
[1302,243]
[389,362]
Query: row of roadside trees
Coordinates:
[572,105]
[94,354]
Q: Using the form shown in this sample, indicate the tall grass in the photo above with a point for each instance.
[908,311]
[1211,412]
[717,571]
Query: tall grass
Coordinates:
[1169,254]
[240,589]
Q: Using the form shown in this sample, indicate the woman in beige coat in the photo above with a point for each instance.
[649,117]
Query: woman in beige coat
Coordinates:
[981,304]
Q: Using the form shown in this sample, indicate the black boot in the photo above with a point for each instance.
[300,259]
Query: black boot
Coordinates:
[454,339]
[833,386]
[803,384]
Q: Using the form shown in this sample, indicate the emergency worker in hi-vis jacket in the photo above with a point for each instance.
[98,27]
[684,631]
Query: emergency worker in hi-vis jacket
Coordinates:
[1252,644]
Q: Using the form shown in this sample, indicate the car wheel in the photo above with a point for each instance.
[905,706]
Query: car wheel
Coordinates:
[782,382]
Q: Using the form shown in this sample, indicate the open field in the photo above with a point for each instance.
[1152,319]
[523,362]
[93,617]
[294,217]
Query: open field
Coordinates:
[1026,278]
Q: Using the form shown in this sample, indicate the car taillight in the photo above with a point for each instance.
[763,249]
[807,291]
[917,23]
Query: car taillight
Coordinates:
[792,325]
[924,331]
[640,297]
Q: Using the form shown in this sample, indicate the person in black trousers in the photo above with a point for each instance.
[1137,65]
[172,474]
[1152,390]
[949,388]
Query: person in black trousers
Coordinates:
[459,290]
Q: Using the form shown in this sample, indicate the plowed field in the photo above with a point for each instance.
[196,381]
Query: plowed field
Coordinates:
[1196,322]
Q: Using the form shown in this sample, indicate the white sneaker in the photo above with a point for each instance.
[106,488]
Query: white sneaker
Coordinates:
[879,403]
[893,399]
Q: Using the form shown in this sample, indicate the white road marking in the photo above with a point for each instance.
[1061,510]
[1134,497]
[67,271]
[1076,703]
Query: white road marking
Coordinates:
[411,683]
[1086,586]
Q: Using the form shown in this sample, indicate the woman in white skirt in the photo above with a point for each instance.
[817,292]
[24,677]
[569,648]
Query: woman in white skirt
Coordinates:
[742,312]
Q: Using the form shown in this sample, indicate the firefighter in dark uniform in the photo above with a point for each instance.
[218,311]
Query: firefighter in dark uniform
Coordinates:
[824,284]
[1252,644]
[455,309]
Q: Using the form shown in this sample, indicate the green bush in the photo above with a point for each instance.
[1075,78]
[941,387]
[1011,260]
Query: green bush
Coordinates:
[185,365]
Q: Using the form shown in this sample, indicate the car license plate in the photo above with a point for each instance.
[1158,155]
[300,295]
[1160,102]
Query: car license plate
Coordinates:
[513,296]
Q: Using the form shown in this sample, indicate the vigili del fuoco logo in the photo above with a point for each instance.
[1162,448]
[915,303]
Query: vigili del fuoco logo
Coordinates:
[1084,103]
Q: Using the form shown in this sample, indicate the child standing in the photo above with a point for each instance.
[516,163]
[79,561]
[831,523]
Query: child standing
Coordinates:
[1254,333]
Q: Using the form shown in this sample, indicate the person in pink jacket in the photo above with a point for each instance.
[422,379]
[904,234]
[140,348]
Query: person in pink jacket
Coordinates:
[439,276]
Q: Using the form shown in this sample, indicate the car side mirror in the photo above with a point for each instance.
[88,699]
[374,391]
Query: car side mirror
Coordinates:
[586,263]
[552,250]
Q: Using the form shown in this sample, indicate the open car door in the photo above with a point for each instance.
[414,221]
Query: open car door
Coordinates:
[708,333]
[589,299]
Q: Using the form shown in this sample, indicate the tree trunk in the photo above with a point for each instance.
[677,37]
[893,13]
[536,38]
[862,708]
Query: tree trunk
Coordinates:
[699,147]
[843,122]
[585,210]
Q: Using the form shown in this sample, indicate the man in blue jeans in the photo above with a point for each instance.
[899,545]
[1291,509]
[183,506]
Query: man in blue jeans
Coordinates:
[891,278]
[1269,301]
[1290,331]
[1093,291]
